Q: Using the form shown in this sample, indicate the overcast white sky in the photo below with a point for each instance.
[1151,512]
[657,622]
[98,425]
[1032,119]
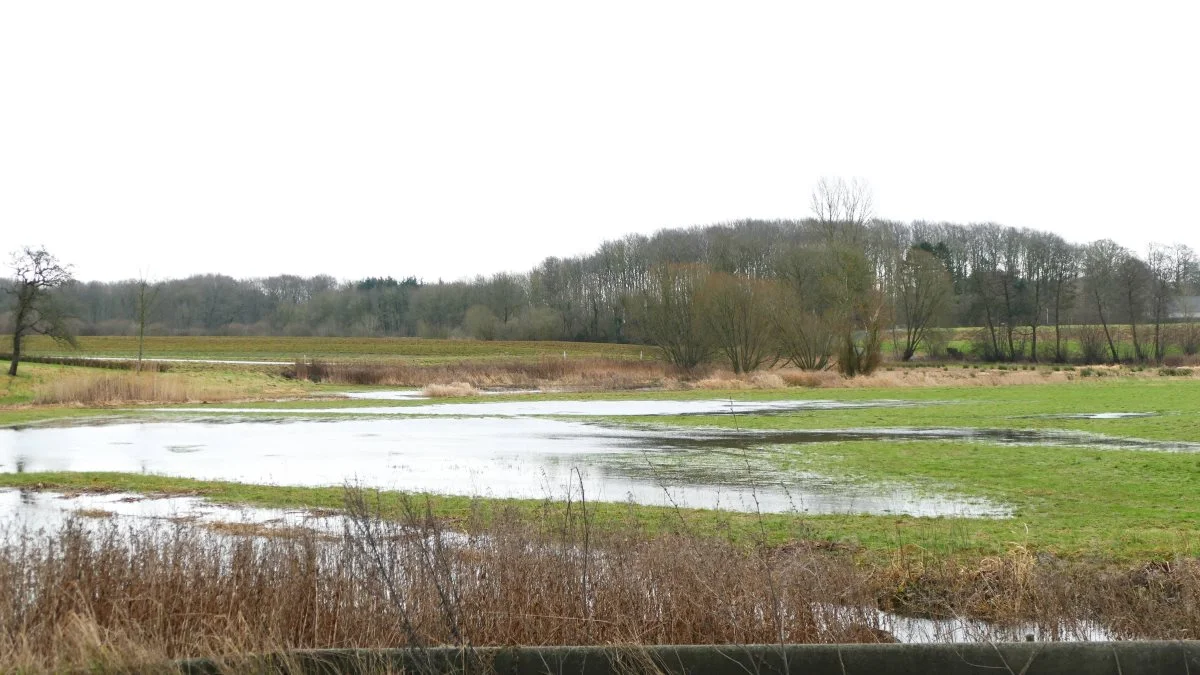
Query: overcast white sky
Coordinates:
[444,139]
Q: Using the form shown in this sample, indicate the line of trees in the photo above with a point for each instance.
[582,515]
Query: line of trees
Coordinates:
[834,288]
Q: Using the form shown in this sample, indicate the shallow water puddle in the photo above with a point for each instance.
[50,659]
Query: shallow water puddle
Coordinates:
[48,511]
[598,408]
[1094,416]
[961,629]
[389,395]
[479,456]
[419,395]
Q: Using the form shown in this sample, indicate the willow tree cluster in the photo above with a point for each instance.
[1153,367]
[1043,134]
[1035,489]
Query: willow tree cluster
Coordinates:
[821,304]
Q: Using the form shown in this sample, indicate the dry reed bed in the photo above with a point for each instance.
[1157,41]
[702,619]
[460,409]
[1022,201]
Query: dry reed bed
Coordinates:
[112,596]
[121,388]
[466,377]
[610,374]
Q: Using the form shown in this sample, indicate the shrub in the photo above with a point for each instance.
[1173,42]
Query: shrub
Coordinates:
[937,343]
[1092,347]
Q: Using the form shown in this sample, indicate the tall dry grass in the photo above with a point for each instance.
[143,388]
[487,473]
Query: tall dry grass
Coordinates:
[124,387]
[618,375]
[606,374]
[452,390]
[89,599]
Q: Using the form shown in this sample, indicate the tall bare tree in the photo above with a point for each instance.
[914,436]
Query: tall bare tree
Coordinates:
[668,314]
[1134,278]
[147,296]
[1185,281]
[36,273]
[800,307]
[858,309]
[924,293]
[1064,265]
[1170,269]
[738,313]
[842,210]
[836,200]
[1037,283]
[1102,265]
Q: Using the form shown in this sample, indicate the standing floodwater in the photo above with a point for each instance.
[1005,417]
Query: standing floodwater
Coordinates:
[486,456]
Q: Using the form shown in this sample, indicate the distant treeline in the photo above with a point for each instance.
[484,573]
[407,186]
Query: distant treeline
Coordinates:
[917,275]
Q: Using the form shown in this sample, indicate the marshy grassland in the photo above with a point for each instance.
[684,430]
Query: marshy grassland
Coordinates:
[1103,539]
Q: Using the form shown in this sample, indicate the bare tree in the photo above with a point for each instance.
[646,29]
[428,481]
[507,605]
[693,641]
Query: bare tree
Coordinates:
[858,310]
[800,308]
[1134,278]
[738,312]
[1064,273]
[836,200]
[1159,263]
[1170,268]
[36,272]
[1185,280]
[842,208]
[805,337]
[924,292]
[668,314]
[1102,265]
[147,295]
[856,304]
[1038,282]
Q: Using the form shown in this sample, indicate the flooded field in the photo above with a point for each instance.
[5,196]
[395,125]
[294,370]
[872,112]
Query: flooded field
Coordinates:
[477,456]
[597,408]
[527,449]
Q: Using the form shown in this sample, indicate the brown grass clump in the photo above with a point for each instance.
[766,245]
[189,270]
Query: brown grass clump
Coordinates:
[120,388]
[761,379]
[93,513]
[452,390]
[808,378]
[767,380]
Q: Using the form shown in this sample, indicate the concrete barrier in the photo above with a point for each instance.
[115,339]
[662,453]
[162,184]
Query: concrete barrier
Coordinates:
[1023,658]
